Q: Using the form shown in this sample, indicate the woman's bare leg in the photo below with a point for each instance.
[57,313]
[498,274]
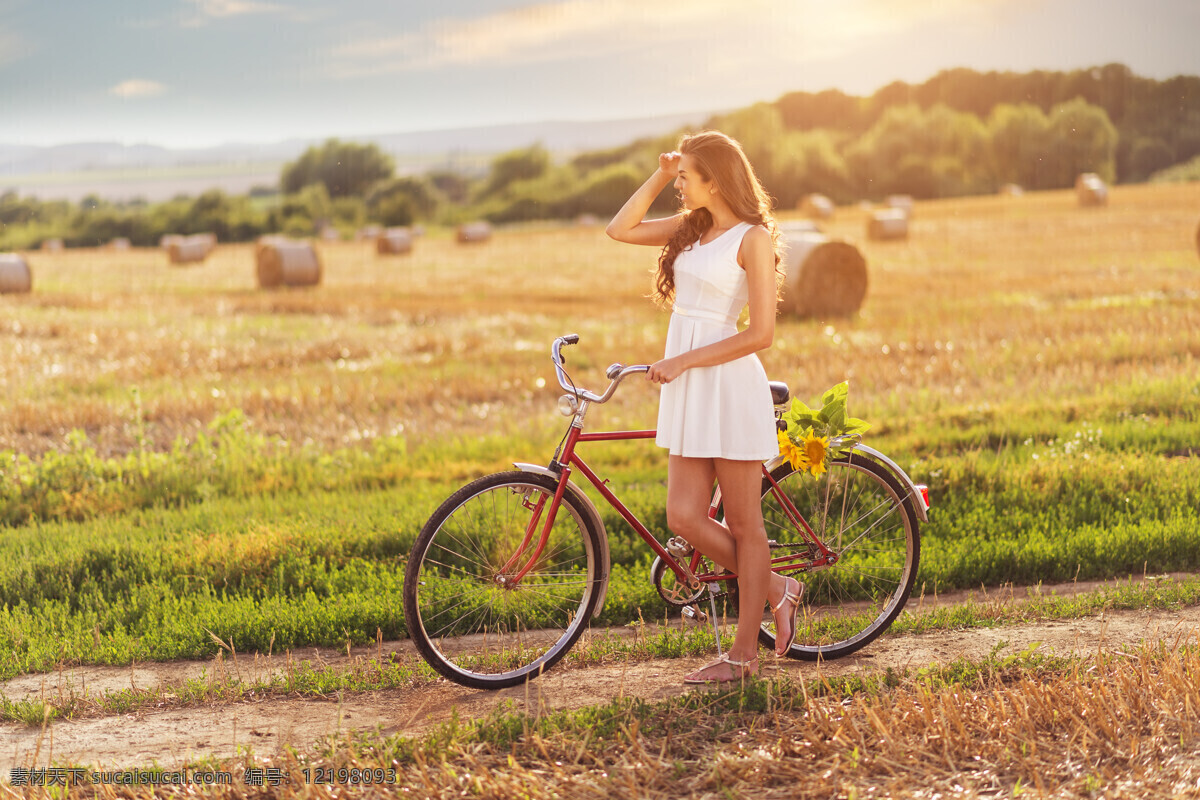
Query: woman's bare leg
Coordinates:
[741,484]
[689,492]
[741,547]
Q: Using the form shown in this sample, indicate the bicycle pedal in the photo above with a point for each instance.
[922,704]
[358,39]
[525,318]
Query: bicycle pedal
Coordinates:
[679,547]
[693,613]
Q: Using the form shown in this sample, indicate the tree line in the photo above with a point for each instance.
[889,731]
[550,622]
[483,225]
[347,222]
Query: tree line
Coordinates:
[962,132]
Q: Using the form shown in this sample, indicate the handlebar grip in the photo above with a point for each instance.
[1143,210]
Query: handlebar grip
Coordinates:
[571,338]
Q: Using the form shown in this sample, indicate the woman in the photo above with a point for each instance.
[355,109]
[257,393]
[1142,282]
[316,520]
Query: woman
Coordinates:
[715,414]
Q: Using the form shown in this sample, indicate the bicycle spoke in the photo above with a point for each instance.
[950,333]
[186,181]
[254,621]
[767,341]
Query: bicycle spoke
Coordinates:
[459,569]
[874,525]
[470,625]
[453,624]
[473,548]
[854,513]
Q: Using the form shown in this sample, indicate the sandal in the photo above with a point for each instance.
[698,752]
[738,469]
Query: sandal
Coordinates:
[784,643]
[739,671]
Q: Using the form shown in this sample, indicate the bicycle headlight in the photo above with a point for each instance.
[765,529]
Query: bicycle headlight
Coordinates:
[568,404]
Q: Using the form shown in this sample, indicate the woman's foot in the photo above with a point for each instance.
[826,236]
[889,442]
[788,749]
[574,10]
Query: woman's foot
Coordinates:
[785,612]
[724,670]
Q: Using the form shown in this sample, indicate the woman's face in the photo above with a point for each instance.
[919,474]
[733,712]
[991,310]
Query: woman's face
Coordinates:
[694,190]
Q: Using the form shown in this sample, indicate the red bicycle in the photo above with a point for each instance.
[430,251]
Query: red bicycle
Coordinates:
[510,570]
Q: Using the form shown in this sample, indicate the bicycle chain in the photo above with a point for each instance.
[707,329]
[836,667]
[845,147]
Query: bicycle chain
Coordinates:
[808,553]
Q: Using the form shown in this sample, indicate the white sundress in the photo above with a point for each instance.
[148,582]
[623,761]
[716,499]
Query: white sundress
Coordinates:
[723,411]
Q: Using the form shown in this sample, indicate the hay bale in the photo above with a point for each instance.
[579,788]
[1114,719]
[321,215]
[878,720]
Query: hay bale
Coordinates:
[394,241]
[1011,190]
[120,244]
[208,239]
[188,250]
[822,278]
[368,233]
[1090,190]
[268,240]
[904,202]
[794,226]
[888,223]
[816,206]
[52,245]
[472,232]
[15,276]
[285,262]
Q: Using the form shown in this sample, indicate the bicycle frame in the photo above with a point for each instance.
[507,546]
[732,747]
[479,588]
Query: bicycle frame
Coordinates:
[568,459]
[500,532]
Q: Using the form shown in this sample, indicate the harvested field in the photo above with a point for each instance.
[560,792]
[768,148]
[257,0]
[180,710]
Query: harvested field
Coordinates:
[200,475]
[1025,292]
[174,734]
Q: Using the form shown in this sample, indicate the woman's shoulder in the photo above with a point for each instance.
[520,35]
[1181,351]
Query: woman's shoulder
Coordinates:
[756,233]
[755,240]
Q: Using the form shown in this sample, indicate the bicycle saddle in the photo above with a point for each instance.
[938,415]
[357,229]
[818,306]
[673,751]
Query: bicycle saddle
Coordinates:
[779,392]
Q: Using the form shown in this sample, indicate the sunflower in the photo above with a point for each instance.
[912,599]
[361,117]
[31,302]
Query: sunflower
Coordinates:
[816,449]
[790,451]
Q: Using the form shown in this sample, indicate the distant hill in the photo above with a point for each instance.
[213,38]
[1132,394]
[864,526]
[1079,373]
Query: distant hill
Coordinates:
[554,135]
[126,171]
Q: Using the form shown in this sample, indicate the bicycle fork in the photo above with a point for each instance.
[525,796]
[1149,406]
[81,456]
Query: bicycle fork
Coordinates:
[502,577]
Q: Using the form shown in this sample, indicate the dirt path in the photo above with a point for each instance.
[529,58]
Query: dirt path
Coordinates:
[169,737]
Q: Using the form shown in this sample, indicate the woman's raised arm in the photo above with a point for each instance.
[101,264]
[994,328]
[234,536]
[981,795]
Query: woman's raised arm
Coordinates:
[628,225]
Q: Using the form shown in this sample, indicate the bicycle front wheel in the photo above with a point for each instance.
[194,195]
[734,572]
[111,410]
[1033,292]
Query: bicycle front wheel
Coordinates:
[860,512]
[467,611]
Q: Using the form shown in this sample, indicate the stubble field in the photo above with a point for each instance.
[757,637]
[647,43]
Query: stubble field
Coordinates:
[188,458]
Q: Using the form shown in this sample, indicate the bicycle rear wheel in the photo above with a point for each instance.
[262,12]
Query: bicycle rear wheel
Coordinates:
[467,615]
[860,512]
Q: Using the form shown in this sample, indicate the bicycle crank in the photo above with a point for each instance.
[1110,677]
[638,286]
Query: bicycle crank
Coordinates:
[675,593]
[670,588]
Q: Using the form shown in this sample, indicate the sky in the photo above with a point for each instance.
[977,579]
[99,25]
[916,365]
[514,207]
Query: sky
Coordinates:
[198,73]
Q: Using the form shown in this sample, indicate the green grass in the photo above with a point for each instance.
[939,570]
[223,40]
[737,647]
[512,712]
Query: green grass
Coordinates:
[139,557]
[225,682]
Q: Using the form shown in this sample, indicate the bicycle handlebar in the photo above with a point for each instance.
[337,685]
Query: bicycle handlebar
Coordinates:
[616,373]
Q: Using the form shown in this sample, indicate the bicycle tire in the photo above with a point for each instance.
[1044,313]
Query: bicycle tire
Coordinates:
[463,619]
[847,605]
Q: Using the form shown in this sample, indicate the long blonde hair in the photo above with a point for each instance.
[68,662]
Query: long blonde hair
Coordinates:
[720,159]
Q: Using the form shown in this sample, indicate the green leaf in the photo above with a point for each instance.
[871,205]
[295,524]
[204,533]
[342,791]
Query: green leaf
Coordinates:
[835,393]
[856,426]
[798,409]
[837,418]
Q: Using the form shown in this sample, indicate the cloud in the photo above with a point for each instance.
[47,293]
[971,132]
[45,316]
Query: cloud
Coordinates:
[137,87]
[201,12]
[536,33]
[567,30]
[13,47]
[234,8]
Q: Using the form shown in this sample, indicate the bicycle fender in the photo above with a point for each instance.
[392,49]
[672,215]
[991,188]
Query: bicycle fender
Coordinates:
[909,485]
[590,507]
